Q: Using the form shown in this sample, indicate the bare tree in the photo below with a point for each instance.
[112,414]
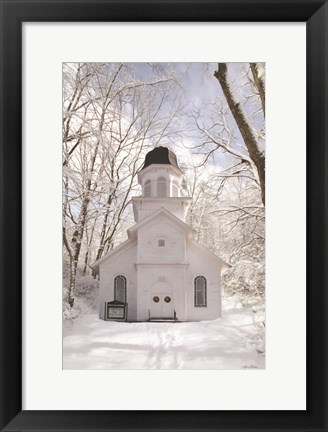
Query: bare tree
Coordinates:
[226,214]
[246,129]
[110,119]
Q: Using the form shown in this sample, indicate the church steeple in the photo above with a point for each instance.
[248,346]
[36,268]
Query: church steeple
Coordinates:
[160,178]
[160,175]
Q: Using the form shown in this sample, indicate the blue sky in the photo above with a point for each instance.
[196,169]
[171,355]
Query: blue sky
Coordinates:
[201,90]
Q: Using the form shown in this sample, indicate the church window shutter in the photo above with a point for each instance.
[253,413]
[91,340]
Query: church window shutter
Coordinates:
[200,292]
[120,289]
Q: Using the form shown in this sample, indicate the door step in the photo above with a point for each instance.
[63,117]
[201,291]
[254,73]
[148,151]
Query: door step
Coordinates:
[162,320]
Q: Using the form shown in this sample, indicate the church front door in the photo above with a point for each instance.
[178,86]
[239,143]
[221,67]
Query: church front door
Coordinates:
[161,306]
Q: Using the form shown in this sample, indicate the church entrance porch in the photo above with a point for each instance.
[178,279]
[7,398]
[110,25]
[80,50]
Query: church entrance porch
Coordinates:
[161,306]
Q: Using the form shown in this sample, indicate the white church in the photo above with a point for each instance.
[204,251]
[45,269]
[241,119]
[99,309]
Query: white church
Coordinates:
[160,272]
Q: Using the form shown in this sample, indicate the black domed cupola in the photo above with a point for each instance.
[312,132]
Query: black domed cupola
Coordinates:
[161,155]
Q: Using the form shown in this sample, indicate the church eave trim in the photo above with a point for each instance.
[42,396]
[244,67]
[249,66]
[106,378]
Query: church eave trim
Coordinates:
[165,167]
[163,199]
[161,264]
[132,232]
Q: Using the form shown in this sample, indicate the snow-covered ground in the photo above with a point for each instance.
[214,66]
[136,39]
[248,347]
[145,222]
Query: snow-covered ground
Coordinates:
[235,341]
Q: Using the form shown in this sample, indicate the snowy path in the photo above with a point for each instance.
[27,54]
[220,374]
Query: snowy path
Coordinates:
[231,342]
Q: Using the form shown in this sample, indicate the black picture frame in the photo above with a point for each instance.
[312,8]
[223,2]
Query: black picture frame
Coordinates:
[13,14]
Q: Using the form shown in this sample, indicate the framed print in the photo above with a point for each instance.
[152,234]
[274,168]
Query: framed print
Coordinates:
[98,374]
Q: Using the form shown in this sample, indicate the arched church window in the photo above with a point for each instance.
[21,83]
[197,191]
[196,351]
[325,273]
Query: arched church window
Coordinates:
[200,292]
[161,187]
[175,188]
[147,188]
[120,289]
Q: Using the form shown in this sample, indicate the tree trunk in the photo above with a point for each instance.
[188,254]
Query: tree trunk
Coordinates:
[72,273]
[244,127]
[259,83]
[103,230]
[89,244]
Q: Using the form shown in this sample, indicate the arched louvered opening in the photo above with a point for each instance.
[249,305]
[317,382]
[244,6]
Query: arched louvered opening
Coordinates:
[175,188]
[147,188]
[161,187]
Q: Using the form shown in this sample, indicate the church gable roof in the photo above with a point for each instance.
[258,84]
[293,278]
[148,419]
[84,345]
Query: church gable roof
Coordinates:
[210,255]
[132,232]
[161,212]
[110,255]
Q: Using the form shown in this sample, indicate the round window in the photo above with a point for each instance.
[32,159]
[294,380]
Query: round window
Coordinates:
[156,299]
[167,299]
